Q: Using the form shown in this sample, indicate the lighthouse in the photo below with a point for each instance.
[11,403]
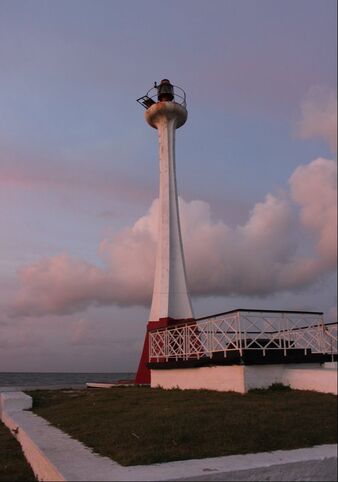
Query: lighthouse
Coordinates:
[166,111]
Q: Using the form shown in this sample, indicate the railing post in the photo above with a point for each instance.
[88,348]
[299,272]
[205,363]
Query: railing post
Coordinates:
[288,333]
[331,344]
[208,338]
[322,344]
[165,344]
[211,338]
[186,334]
[150,346]
[284,333]
[239,334]
[158,355]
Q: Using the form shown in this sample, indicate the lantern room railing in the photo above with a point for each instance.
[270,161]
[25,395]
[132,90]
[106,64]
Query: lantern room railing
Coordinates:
[151,97]
[242,330]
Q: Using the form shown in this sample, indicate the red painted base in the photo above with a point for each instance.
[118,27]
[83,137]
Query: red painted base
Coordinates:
[143,372]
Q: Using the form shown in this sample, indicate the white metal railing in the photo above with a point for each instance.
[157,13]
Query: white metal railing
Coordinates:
[244,330]
[179,95]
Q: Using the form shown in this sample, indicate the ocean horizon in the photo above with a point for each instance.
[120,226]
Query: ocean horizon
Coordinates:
[55,380]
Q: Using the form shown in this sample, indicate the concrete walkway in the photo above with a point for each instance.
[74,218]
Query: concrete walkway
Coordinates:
[54,456]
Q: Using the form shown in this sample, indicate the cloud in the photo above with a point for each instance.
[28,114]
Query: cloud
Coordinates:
[314,188]
[222,260]
[319,116]
[64,171]
[60,284]
[111,184]
[287,243]
[86,334]
[263,256]
[21,337]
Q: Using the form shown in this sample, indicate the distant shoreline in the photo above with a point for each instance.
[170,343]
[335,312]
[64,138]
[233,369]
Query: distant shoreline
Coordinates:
[57,380]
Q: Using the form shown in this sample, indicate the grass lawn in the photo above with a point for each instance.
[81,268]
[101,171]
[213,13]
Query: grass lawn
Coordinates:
[13,465]
[139,425]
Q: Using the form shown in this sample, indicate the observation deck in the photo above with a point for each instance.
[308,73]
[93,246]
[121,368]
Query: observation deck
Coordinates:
[245,337]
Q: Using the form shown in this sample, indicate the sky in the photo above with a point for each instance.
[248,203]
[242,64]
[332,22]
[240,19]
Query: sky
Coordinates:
[79,173]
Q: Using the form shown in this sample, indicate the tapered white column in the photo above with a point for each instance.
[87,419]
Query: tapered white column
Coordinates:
[170,296]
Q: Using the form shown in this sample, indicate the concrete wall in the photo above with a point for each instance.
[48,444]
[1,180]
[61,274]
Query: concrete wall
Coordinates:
[14,401]
[320,379]
[13,416]
[241,378]
[262,376]
[220,378]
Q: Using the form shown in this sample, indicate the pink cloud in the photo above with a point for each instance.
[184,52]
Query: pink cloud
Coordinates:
[257,258]
[314,188]
[62,284]
[262,256]
[84,333]
[46,171]
[319,116]
[112,184]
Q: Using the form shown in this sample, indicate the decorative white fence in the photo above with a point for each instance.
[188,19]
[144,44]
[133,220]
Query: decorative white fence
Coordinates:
[244,330]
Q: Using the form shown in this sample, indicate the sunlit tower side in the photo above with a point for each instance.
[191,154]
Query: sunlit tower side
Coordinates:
[166,111]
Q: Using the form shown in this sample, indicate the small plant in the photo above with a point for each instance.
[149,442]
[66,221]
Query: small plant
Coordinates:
[275,387]
[279,387]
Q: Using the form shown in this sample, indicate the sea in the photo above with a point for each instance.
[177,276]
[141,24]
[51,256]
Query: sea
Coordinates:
[50,381]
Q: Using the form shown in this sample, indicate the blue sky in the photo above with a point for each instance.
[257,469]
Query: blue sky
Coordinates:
[78,163]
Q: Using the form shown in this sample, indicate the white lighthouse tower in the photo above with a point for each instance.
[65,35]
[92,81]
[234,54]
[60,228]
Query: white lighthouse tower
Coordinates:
[166,111]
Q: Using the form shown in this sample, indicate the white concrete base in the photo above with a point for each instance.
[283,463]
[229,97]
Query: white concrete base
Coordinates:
[54,456]
[241,378]
[320,380]
[108,385]
[15,401]
[332,364]
[99,385]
